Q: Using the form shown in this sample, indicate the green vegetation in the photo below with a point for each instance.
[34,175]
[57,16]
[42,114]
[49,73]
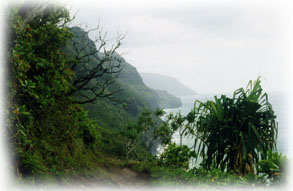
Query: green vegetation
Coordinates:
[77,113]
[176,156]
[50,135]
[114,79]
[238,131]
[234,142]
[273,167]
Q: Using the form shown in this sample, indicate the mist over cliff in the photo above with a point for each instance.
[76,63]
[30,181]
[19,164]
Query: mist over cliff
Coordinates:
[167,83]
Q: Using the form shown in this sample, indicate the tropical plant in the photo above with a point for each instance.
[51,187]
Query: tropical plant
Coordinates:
[184,125]
[273,168]
[234,133]
[176,156]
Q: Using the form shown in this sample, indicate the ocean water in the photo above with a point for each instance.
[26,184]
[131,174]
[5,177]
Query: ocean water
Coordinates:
[280,106]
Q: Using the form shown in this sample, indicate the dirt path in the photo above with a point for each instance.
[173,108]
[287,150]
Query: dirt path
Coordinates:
[125,177]
[115,177]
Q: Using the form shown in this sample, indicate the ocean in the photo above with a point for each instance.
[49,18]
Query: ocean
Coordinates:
[280,106]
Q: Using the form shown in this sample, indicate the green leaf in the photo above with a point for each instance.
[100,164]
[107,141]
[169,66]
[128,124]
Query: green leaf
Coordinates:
[244,150]
[255,131]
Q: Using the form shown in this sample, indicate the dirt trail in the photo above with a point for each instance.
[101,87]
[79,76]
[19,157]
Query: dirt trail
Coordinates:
[115,177]
[125,177]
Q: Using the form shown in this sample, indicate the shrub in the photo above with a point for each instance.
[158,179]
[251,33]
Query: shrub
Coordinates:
[273,167]
[176,156]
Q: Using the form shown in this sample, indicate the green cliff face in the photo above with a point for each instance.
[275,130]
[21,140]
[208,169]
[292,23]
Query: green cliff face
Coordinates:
[154,98]
[134,96]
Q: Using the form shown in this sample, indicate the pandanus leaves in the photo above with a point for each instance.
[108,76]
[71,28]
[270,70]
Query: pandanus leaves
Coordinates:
[235,133]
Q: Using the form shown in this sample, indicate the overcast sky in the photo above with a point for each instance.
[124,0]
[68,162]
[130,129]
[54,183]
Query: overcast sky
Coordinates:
[210,47]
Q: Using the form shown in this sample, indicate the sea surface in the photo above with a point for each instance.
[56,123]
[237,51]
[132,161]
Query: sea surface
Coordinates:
[279,103]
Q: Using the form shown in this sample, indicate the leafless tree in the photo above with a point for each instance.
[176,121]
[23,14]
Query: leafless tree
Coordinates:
[95,66]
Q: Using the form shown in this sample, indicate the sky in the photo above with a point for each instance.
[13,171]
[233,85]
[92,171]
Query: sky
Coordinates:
[210,47]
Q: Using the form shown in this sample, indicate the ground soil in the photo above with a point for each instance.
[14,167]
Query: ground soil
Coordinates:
[126,177]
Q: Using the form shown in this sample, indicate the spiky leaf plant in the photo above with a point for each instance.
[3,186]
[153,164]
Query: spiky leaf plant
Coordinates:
[234,133]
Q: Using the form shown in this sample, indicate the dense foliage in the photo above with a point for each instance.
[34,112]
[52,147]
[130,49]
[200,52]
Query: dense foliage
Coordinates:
[236,132]
[50,135]
[176,156]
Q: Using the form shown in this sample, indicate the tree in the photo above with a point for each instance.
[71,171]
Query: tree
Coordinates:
[176,156]
[95,67]
[148,131]
[234,133]
[183,124]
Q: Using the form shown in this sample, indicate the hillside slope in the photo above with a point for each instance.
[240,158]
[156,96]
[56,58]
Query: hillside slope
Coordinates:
[134,95]
[132,81]
[170,84]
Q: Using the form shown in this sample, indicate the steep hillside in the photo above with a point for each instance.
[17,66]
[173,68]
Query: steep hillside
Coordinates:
[134,96]
[170,84]
[132,81]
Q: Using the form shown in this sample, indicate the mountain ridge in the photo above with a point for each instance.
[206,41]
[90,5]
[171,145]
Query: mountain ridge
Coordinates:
[163,82]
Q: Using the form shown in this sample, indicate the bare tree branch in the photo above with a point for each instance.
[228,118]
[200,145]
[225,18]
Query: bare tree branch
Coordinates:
[96,68]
